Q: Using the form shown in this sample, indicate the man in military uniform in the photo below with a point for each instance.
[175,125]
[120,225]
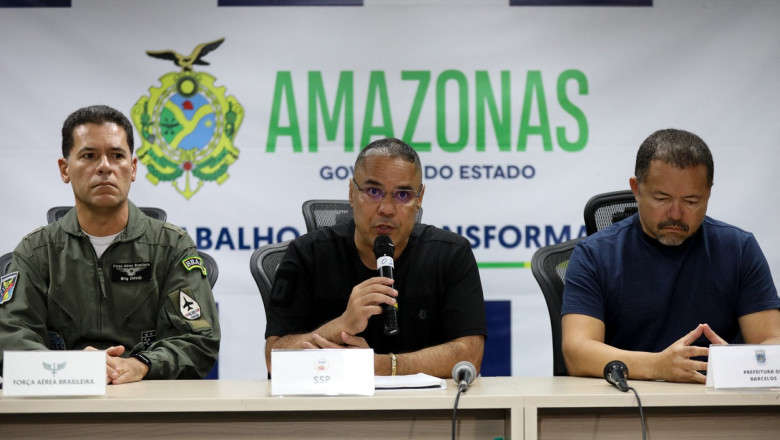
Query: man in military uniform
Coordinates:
[106,276]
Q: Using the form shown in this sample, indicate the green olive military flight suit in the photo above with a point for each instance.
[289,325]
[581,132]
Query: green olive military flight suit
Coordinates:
[147,292]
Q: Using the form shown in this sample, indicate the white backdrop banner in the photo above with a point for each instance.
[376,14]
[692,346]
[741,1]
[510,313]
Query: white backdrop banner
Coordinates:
[520,114]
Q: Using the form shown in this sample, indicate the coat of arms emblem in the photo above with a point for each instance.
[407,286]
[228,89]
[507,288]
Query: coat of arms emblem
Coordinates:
[187,125]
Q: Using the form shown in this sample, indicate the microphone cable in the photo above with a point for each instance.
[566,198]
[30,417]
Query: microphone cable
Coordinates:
[461,388]
[616,374]
[641,412]
[463,373]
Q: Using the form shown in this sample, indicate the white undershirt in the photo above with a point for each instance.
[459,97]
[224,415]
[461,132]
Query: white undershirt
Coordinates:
[101,243]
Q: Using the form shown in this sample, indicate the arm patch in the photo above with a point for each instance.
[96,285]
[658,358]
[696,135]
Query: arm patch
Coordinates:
[188,308]
[7,284]
[194,262]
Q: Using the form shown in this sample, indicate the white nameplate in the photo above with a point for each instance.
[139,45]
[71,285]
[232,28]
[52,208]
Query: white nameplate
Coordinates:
[743,366]
[54,373]
[326,372]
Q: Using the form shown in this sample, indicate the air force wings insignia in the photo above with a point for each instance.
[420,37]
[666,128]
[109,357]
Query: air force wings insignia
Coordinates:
[54,368]
[189,308]
[129,271]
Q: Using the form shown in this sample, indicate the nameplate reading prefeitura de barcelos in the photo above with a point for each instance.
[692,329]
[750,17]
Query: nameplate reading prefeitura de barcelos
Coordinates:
[744,366]
[54,373]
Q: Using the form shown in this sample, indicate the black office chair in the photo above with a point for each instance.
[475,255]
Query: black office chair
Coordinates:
[212,270]
[548,265]
[58,212]
[322,213]
[5,262]
[263,264]
[604,209]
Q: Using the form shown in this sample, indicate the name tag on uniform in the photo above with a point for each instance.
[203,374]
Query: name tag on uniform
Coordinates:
[131,272]
[54,373]
[743,366]
[326,372]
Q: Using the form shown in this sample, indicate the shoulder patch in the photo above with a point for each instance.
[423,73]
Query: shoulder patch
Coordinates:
[194,262]
[7,284]
[189,308]
[186,306]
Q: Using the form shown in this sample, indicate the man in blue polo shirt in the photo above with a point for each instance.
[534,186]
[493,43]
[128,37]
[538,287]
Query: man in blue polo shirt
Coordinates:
[654,290]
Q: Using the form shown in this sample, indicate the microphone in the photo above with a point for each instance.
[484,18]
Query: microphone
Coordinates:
[384,251]
[463,373]
[616,373]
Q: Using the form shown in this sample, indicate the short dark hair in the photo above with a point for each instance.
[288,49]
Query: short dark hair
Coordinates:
[94,114]
[390,147]
[679,148]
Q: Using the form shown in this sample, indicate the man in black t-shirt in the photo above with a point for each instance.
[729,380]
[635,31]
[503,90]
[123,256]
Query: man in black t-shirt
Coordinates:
[327,293]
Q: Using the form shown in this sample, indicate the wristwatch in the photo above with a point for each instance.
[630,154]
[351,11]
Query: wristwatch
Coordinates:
[145,360]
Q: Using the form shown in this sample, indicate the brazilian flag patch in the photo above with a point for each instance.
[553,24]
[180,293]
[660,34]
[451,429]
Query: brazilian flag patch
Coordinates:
[194,262]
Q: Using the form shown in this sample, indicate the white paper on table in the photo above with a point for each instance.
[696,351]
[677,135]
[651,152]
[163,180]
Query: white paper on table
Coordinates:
[411,381]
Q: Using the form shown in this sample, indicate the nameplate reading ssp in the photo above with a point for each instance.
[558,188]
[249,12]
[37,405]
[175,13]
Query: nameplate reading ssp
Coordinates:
[327,372]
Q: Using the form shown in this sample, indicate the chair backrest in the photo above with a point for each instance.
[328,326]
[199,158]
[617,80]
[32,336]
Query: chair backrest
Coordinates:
[548,265]
[5,262]
[58,212]
[322,213]
[263,264]
[212,270]
[604,209]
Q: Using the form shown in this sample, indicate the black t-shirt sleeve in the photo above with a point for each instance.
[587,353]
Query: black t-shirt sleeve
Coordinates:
[288,309]
[464,306]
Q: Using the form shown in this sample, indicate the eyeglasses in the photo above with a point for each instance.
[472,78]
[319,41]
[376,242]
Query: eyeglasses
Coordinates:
[372,194]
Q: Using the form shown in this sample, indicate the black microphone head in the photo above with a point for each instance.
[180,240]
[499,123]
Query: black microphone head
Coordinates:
[464,371]
[383,245]
[616,373]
